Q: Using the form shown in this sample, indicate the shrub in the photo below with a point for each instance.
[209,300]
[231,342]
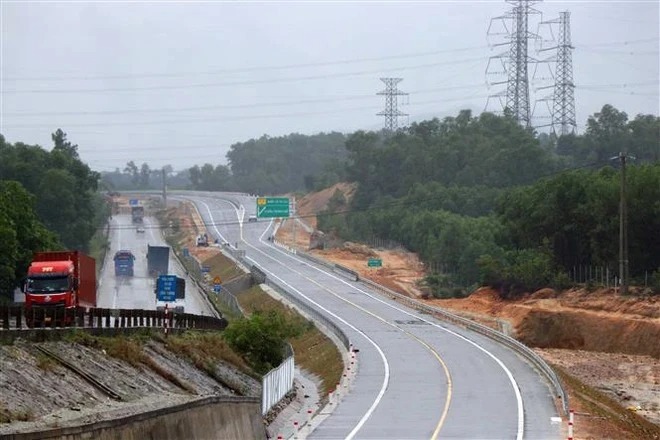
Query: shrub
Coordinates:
[261,338]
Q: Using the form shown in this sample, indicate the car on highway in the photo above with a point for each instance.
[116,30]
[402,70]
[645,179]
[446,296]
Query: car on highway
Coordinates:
[139,229]
[252,218]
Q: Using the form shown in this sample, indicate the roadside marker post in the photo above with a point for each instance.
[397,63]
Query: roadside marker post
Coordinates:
[165,323]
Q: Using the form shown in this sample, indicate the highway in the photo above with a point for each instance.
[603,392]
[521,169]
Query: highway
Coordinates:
[137,292]
[418,377]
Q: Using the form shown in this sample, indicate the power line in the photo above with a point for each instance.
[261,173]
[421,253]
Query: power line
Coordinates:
[244,69]
[620,85]
[218,119]
[621,43]
[283,67]
[237,83]
[232,106]
[619,52]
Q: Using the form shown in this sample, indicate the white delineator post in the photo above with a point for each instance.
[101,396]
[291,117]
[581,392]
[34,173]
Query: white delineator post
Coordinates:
[165,323]
[571,419]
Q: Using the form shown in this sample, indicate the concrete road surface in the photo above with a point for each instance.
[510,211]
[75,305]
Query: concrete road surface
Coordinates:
[417,377]
[137,292]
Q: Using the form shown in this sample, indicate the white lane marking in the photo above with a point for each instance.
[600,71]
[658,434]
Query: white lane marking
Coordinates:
[514,384]
[386,365]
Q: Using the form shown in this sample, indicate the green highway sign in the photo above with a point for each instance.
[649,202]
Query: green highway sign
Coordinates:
[269,207]
[375,262]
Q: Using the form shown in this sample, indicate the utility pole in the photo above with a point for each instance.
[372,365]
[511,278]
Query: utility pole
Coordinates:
[391,111]
[623,226]
[164,187]
[293,211]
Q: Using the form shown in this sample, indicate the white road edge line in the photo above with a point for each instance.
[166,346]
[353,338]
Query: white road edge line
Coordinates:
[386,364]
[514,384]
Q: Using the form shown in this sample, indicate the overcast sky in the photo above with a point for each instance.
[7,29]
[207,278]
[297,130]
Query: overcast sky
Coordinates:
[177,83]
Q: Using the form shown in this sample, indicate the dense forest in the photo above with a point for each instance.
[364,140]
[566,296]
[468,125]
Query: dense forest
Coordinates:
[48,200]
[276,165]
[480,198]
[268,165]
[485,201]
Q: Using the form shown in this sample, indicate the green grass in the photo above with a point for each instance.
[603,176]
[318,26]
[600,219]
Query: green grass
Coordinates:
[314,351]
[223,267]
[203,349]
[45,363]
[7,416]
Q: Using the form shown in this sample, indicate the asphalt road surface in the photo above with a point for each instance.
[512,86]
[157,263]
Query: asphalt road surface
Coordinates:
[417,377]
[137,292]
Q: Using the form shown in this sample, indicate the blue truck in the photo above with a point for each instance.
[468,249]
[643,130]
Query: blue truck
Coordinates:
[124,263]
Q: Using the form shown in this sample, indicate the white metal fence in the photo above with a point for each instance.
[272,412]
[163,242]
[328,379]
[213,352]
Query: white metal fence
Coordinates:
[277,382]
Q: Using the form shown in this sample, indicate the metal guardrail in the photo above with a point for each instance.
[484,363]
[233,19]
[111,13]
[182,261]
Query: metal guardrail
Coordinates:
[345,271]
[503,339]
[508,341]
[240,258]
[195,279]
[18,317]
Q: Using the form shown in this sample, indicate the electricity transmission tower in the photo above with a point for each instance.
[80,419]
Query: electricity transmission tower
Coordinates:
[563,106]
[562,113]
[391,111]
[515,62]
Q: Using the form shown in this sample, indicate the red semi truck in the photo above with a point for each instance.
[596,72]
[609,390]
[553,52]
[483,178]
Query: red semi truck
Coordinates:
[57,283]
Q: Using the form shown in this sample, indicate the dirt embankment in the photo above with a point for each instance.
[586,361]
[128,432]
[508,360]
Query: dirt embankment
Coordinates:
[577,319]
[309,206]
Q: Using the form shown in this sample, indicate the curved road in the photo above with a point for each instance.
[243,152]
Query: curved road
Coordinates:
[417,377]
[137,292]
